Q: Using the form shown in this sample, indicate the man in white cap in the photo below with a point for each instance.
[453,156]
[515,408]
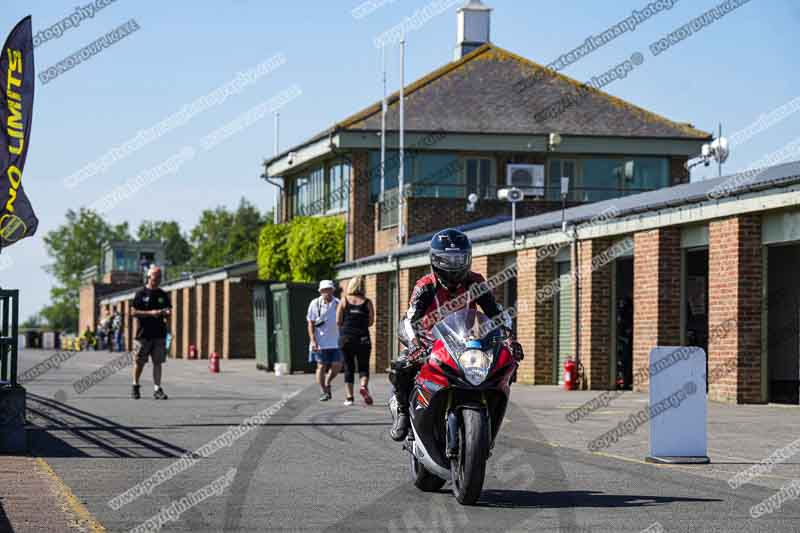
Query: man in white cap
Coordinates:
[323,334]
[151,306]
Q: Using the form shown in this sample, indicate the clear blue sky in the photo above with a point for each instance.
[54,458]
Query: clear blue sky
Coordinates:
[732,71]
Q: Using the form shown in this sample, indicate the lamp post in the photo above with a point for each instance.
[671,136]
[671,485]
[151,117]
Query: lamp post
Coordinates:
[512,195]
[564,192]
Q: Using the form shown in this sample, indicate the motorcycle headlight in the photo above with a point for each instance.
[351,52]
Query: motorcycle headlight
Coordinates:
[475,364]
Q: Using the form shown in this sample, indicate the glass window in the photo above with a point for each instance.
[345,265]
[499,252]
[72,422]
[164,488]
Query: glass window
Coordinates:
[602,179]
[557,169]
[438,175]
[338,186]
[479,177]
[392,171]
[596,179]
[309,193]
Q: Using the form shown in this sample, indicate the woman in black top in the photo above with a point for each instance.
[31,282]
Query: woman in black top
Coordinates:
[354,316]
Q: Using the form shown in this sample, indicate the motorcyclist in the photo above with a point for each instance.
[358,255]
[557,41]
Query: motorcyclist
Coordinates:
[446,289]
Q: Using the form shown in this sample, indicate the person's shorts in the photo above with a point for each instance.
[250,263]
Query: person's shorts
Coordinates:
[326,357]
[155,349]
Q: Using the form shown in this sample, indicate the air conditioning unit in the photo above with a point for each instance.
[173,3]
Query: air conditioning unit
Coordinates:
[528,178]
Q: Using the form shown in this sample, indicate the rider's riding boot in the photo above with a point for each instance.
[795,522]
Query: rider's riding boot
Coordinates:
[401,424]
[402,378]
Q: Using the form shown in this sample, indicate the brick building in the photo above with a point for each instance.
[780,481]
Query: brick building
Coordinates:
[487,120]
[212,310]
[711,264]
[121,267]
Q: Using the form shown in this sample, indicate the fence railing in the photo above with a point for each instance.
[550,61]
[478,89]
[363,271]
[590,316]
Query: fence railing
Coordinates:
[9,333]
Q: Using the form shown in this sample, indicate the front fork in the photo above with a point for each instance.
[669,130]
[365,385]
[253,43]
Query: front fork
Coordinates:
[453,422]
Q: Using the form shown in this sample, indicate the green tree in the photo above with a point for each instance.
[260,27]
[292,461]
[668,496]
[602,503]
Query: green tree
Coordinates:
[75,246]
[273,257]
[315,246]
[177,249]
[222,237]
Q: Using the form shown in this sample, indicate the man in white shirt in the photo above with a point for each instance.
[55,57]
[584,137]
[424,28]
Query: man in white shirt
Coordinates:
[323,334]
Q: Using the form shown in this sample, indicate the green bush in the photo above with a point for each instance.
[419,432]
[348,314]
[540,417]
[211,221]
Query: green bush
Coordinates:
[316,246]
[273,260]
[305,250]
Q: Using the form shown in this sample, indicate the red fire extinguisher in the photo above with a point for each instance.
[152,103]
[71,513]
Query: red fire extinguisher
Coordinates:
[213,363]
[570,375]
[192,351]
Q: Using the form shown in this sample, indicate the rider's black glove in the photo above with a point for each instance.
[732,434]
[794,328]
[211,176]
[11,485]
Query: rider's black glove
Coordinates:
[516,350]
[417,352]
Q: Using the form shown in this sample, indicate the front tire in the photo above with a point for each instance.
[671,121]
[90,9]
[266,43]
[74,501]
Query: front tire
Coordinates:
[424,480]
[468,470]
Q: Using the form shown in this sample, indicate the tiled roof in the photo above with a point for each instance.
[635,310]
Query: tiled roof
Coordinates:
[480,93]
[484,92]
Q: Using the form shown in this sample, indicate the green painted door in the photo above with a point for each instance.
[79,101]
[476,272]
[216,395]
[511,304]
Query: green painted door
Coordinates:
[260,331]
[564,316]
[280,313]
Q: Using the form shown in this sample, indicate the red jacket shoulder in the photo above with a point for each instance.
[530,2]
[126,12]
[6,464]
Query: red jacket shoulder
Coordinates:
[427,279]
[476,277]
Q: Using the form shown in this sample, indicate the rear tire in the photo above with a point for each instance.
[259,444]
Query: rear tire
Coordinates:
[468,470]
[424,480]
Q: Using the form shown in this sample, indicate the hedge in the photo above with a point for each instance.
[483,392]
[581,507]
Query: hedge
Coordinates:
[305,250]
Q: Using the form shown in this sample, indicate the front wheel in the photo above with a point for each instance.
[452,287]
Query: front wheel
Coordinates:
[468,470]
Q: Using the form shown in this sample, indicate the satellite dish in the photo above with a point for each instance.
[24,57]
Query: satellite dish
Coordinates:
[472,198]
[719,150]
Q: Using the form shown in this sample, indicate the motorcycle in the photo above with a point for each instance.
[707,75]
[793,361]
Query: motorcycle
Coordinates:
[457,405]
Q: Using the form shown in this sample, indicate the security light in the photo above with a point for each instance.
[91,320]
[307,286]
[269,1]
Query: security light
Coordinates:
[553,140]
[472,199]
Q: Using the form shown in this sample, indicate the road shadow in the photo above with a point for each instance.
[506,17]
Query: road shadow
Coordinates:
[90,429]
[5,524]
[528,499]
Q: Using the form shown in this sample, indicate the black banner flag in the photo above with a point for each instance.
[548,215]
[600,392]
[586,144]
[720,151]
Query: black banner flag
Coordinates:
[17,75]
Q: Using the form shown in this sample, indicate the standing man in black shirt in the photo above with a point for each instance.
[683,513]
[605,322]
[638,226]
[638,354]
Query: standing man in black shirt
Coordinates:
[151,306]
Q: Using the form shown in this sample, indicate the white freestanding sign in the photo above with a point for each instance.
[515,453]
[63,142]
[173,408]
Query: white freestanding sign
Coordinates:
[678,405]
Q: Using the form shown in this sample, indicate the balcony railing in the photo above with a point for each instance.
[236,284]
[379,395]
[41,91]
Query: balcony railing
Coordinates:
[389,208]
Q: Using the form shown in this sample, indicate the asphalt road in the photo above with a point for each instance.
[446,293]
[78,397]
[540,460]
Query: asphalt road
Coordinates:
[314,466]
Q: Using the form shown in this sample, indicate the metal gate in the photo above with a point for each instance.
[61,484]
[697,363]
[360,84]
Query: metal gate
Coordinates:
[9,333]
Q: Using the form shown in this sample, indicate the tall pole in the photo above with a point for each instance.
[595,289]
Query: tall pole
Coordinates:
[719,160]
[401,176]
[276,193]
[383,125]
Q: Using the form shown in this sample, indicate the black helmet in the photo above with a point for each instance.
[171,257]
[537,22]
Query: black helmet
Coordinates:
[451,257]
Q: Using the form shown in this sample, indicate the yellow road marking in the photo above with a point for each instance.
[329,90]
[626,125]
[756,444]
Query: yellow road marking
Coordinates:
[622,458]
[71,500]
[685,467]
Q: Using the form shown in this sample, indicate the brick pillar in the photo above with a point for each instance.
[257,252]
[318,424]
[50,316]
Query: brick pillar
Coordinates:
[201,320]
[174,322]
[241,339]
[594,313]
[225,349]
[734,296]
[215,316]
[656,296]
[178,310]
[376,288]
[535,316]
[187,320]
[360,214]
